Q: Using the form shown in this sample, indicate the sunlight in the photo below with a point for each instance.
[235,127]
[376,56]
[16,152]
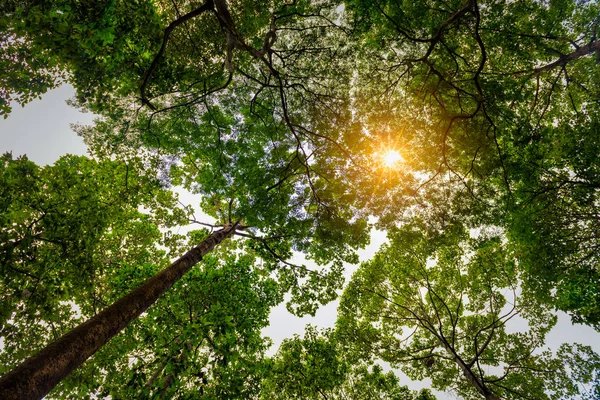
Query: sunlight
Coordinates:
[391,158]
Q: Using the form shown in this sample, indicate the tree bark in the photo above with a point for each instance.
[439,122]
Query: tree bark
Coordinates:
[37,375]
[469,375]
[473,380]
[564,59]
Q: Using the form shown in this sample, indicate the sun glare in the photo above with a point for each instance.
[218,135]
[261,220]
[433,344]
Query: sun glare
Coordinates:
[391,158]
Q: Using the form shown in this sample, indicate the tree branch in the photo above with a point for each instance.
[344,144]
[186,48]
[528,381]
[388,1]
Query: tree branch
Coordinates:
[209,5]
[565,59]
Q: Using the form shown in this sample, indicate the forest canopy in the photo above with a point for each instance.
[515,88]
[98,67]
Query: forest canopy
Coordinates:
[467,131]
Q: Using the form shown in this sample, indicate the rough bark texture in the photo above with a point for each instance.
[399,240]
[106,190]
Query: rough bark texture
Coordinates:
[37,375]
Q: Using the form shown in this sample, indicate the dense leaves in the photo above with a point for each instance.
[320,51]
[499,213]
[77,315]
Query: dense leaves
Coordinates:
[495,104]
[277,114]
[93,46]
[200,340]
[316,367]
[437,306]
[65,229]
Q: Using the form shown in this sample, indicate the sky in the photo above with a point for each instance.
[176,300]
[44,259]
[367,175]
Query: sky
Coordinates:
[41,128]
[42,131]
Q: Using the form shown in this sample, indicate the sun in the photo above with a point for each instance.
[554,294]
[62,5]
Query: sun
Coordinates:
[391,158]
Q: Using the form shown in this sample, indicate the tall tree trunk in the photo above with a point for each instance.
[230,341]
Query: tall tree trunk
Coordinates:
[37,375]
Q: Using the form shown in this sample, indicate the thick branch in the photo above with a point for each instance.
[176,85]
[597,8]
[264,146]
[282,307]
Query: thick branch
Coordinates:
[565,59]
[205,7]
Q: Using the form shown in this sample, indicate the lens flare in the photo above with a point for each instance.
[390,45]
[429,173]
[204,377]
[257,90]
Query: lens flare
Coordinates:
[391,158]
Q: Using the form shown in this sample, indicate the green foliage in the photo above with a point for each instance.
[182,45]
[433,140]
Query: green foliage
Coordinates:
[275,113]
[305,368]
[495,106]
[315,367]
[64,230]
[99,48]
[436,306]
[203,338]
[554,228]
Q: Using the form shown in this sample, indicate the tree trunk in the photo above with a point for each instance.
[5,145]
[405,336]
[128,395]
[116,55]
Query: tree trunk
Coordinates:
[37,375]
[473,380]
[469,375]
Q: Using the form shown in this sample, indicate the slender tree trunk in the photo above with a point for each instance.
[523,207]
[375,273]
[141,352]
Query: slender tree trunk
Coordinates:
[37,375]
[473,380]
[469,375]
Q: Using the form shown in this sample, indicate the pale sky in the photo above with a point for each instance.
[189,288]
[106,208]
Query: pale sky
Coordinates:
[42,131]
[41,128]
